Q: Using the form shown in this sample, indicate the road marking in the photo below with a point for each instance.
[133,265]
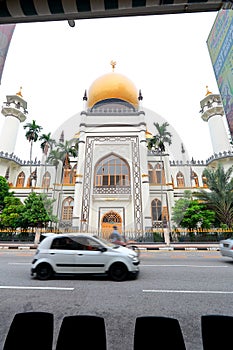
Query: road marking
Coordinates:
[41,288]
[212,266]
[186,291]
[19,263]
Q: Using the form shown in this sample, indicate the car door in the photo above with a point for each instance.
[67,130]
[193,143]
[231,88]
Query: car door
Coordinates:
[63,255]
[89,258]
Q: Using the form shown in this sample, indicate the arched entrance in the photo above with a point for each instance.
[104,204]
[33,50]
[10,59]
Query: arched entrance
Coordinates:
[109,220]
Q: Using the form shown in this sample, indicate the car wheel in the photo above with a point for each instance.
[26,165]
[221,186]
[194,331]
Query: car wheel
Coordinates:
[118,272]
[44,271]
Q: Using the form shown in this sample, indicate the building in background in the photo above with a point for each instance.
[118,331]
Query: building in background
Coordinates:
[220,45]
[115,179]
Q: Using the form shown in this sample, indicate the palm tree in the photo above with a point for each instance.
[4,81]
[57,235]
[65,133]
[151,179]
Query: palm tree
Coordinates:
[62,155]
[157,143]
[67,149]
[47,143]
[220,197]
[32,134]
[54,158]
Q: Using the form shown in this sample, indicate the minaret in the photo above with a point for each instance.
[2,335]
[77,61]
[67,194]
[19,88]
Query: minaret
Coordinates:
[213,113]
[15,110]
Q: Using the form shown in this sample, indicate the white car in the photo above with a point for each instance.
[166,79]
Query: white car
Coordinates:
[226,247]
[83,254]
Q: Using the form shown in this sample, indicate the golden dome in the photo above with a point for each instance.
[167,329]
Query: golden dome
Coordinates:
[112,85]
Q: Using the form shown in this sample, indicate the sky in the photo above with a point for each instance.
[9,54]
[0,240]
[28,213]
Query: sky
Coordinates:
[166,56]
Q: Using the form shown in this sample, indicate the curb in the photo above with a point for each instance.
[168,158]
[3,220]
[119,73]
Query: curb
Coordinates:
[178,247]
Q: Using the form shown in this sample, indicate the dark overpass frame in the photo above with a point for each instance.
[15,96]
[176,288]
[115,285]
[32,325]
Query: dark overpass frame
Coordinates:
[22,11]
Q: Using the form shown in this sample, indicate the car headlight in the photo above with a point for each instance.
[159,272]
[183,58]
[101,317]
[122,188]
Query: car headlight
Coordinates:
[133,257]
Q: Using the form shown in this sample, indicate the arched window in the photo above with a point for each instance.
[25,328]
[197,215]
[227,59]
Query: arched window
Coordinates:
[112,218]
[73,174]
[20,179]
[159,173]
[194,177]
[156,210]
[46,180]
[156,173]
[150,173]
[204,181]
[180,179]
[112,171]
[67,208]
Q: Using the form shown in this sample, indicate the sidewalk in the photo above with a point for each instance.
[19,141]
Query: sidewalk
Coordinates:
[179,246]
[144,246]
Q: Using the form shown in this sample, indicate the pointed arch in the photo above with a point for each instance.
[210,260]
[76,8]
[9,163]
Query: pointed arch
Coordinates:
[73,174]
[150,173]
[194,177]
[110,219]
[204,181]
[156,173]
[180,180]
[156,210]
[46,180]
[67,208]
[112,171]
[20,179]
[66,170]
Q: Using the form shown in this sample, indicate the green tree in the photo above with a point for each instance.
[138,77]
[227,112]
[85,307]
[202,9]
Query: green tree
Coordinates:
[12,213]
[197,216]
[219,198]
[54,158]
[180,207]
[32,134]
[192,214]
[47,143]
[4,191]
[37,212]
[67,149]
[158,141]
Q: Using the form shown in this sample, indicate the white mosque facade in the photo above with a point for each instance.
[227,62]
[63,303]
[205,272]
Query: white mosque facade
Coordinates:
[115,179]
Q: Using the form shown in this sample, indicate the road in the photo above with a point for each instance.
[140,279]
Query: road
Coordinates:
[179,284]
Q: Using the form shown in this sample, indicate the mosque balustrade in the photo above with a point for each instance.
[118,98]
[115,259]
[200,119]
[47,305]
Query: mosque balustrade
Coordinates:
[13,157]
[112,111]
[65,224]
[157,224]
[225,154]
[215,156]
[112,190]
[155,152]
[189,163]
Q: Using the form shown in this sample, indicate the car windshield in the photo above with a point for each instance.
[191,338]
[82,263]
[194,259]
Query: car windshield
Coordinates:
[104,241]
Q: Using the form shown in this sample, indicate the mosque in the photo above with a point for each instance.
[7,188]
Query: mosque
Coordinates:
[115,179]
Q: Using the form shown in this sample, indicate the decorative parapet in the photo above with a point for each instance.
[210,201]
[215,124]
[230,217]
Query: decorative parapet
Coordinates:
[215,156]
[112,111]
[112,190]
[220,155]
[189,163]
[14,158]
[151,153]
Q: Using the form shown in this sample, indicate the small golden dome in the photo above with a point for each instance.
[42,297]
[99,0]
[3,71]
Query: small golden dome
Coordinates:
[208,92]
[149,135]
[19,93]
[112,85]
